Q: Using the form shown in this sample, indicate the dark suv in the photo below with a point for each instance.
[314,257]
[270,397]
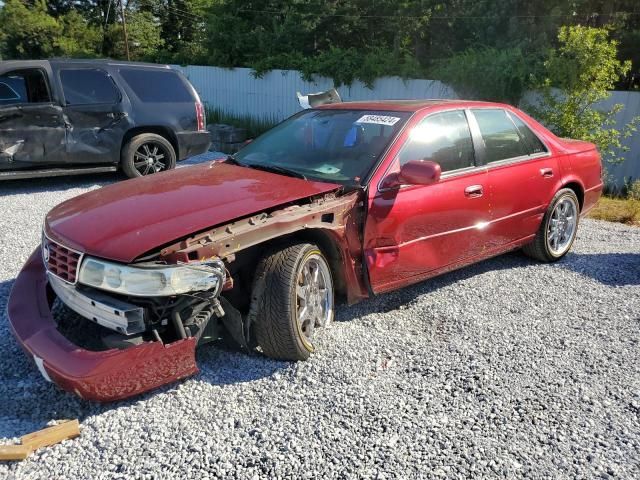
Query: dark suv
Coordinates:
[77,116]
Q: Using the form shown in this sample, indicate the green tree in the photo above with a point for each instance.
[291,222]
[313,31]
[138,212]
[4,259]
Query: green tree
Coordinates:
[144,36]
[489,73]
[579,75]
[27,32]
[77,38]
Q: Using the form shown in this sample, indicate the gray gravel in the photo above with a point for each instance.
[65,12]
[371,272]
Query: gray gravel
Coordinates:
[505,369]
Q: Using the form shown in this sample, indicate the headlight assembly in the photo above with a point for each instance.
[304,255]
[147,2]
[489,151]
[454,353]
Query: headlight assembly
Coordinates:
[151,280]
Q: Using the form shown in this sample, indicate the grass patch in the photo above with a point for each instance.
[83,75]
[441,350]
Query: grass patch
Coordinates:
[253,126]
[621,210]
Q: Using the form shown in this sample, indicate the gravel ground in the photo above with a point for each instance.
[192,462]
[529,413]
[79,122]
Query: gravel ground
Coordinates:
[504,369]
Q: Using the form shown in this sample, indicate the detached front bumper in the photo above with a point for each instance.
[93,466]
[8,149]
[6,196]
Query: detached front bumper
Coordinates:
[100,376]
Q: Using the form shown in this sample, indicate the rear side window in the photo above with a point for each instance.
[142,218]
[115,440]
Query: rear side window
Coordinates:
[442,137]
[157,86]
[533,142]
[84,86]
[24,86]
[501,138]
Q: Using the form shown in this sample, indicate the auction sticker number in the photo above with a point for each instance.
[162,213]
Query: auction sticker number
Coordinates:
[378,119]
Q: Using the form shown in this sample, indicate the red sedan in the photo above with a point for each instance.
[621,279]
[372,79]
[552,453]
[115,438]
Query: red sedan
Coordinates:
[340,202]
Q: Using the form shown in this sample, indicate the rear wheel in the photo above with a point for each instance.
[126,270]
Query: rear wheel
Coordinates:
[146,154]
[294,301]
[558,230]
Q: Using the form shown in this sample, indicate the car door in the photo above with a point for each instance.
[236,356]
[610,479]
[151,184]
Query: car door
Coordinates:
[32,132]
[412,232]
[522,174]
[95,115]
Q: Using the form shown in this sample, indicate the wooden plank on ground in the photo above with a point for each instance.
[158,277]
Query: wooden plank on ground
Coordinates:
[51,435]
[15,452]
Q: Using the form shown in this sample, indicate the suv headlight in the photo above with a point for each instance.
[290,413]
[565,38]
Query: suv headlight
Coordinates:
[151,280]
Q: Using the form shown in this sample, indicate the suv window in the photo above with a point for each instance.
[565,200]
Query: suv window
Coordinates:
[442,137]
[157,86]
[500,135]
[533,142]
[85,86]
[24,86]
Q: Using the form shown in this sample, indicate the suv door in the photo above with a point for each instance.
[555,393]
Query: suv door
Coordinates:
[32,132]
[521,174]
[95,114]
[416,231]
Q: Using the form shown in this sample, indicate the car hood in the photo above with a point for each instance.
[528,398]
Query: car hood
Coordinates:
[123,221]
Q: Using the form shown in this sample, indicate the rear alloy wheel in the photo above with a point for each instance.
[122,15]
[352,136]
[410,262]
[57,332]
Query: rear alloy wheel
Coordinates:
[558,230]
[147,154]
[293,299]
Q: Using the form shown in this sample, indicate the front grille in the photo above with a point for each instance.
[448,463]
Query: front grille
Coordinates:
[60,261]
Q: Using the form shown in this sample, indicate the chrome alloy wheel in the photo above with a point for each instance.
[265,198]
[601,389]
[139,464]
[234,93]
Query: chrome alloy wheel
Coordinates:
[314,296]
[562,226]
[149,158]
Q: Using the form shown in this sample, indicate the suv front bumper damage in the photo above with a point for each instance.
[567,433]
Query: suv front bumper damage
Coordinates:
[93,375]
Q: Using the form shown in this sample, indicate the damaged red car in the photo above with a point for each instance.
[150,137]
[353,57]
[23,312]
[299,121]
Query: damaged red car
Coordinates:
[336,204]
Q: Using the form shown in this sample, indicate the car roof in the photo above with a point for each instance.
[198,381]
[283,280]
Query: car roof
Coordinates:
[408,105]
[81,61]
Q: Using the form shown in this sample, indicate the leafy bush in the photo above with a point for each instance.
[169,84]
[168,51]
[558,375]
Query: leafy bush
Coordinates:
[579,74]
[344,66]
[489,73]
[634,190]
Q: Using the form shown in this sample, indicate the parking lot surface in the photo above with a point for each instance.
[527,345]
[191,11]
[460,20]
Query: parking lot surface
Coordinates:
[508,368]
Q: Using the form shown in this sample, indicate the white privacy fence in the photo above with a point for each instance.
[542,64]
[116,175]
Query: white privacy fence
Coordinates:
[273,97]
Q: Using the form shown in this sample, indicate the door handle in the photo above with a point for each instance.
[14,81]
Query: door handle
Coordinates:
[473,191]
[546,172]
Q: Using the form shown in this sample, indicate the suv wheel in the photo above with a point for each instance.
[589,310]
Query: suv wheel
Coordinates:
[293,300]
[146,154]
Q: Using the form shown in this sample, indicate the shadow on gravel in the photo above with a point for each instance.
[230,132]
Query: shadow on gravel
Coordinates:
[405,296]
[56,184]
[613,269]
[28,402]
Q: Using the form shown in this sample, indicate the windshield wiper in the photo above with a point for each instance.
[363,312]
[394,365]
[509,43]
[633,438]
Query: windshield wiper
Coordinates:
[232,159]
[276,169]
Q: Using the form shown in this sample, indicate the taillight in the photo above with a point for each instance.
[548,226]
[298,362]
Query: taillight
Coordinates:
[200,115]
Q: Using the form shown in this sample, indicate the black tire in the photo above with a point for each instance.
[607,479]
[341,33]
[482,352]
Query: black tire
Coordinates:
[539,248]
[133,165]
[275,301]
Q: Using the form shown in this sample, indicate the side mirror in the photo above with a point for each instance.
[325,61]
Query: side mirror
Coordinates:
[414,172]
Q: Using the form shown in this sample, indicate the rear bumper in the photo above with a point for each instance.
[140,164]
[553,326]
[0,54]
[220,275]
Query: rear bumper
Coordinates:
[193,143]
[100,376]
[591,197]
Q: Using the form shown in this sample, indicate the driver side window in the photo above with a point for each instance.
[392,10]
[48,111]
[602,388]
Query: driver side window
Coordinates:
[443,138]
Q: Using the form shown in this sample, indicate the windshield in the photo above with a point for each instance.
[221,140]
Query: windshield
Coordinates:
[340,146]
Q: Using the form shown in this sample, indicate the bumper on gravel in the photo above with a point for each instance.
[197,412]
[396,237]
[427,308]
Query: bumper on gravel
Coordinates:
[100,376]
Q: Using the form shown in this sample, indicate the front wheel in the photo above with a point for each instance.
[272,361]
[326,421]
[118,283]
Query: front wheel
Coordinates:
[146,154]
[294,301]
[558,229]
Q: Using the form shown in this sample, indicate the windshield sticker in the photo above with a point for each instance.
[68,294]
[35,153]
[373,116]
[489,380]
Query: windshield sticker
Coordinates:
[378,119]
[327,169]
